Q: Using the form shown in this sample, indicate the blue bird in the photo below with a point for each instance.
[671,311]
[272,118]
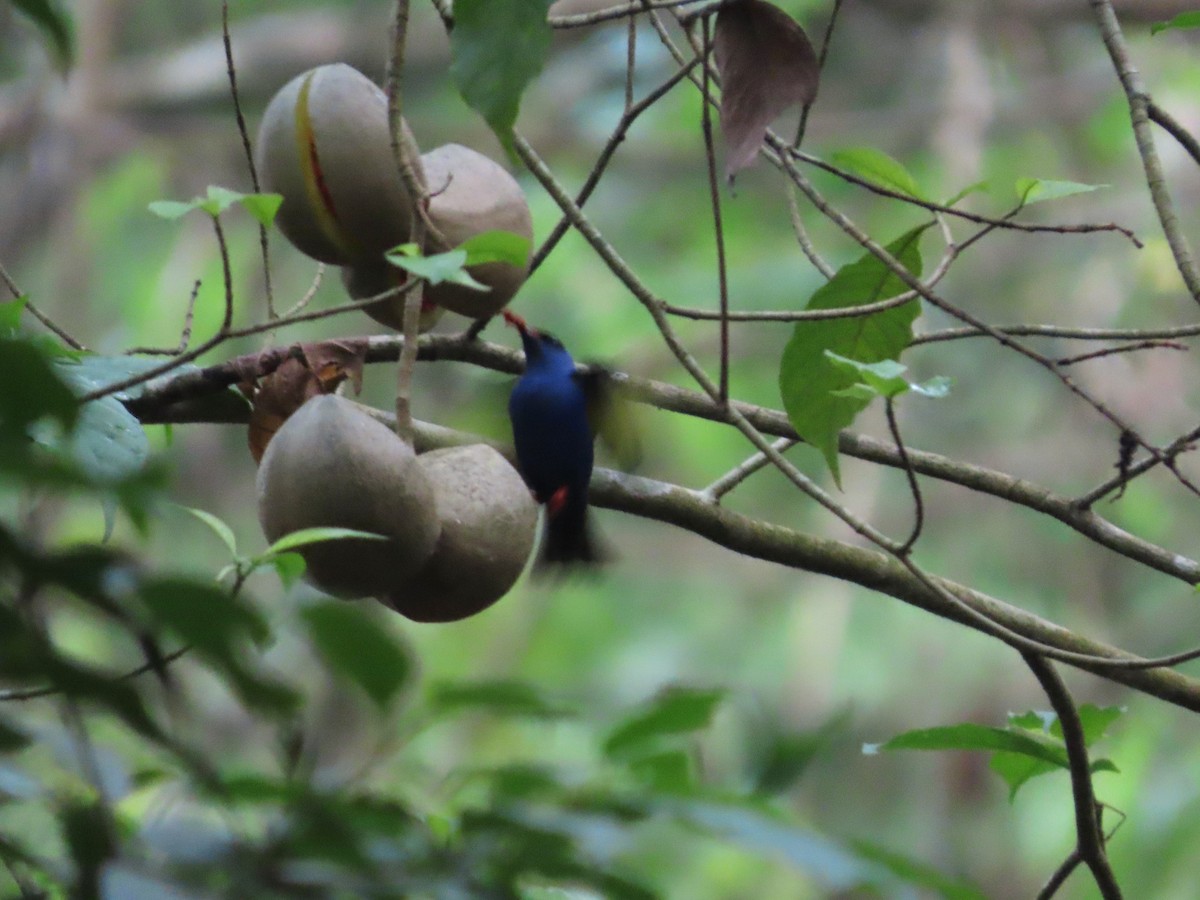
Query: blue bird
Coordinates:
[554,443]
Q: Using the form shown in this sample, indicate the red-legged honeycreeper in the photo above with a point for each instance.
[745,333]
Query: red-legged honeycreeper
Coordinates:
[553,438]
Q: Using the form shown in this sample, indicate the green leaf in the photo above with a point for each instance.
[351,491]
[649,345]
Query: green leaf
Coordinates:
[108,442]
[263,207]
[1181,21]
[221,199]
[306,536]
[497,246]
[917,874]
[33,388]
[966,192]
[669,771]
[10,316]
[203,615]
[172,209]
[290,567]
[219,528]
[878,168]
[884,378]
[676,710]
[1038,190]
[217,625]
[936,388]
[358,648]
[510,698]
[498,47]
[760,831]
[55,27]
[448,266]
[808,379]
[969,736]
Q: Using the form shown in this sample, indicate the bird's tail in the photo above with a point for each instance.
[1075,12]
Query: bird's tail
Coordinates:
[569,541]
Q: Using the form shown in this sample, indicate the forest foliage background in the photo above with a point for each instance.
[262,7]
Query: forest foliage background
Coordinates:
[806,669]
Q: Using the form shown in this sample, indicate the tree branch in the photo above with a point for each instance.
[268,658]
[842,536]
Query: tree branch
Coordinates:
[1087,821]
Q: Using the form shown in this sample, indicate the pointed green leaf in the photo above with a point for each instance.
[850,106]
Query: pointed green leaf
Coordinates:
[969,736]
[172,209]
[358,648]
[223,198]
[435,269]
[878,168]
[307,536]
[511,698]
[676,710]
[497,48]
[1037,190]
[1181,21]
[807,377]
[219,528]
[497,246]
[263,207]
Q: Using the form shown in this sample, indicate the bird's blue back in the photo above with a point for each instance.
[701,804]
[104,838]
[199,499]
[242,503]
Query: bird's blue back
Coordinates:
[551,432]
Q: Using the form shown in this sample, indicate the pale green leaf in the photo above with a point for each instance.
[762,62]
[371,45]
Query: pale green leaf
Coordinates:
[1039,190]
[877,167]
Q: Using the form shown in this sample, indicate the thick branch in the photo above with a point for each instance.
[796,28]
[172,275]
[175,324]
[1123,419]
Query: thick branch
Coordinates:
[159,402]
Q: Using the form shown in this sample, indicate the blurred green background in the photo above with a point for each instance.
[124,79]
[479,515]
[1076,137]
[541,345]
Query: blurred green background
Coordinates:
[960,93]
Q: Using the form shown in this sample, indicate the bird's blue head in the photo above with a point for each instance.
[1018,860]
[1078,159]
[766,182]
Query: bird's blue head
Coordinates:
[542,349]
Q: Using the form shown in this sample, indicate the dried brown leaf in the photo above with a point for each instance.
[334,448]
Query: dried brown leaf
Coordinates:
[319,369]
[766,64]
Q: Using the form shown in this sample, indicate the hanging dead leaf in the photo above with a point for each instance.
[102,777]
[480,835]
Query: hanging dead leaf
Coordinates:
[319,369]
[766,64]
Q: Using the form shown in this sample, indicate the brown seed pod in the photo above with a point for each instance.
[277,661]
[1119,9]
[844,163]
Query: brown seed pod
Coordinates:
[369,279]
[471,194]
[488,523]
[332,465]
[324,145]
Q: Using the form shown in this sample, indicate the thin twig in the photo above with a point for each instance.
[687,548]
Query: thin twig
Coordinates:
[1137,96]
[802,238]
[1087,825]
[144,668]
[263,236]
[614,141]
[303,302]
[1064,332]
[1173,127]
[36,313]
[714,196]
[1125,348]
[743,470]
[821,57]
[185,336]
[913,487]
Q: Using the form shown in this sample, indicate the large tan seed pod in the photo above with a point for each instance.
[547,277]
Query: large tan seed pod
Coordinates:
[332,465]
[488,521]
[367,280]
[471,194]
[324,145]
